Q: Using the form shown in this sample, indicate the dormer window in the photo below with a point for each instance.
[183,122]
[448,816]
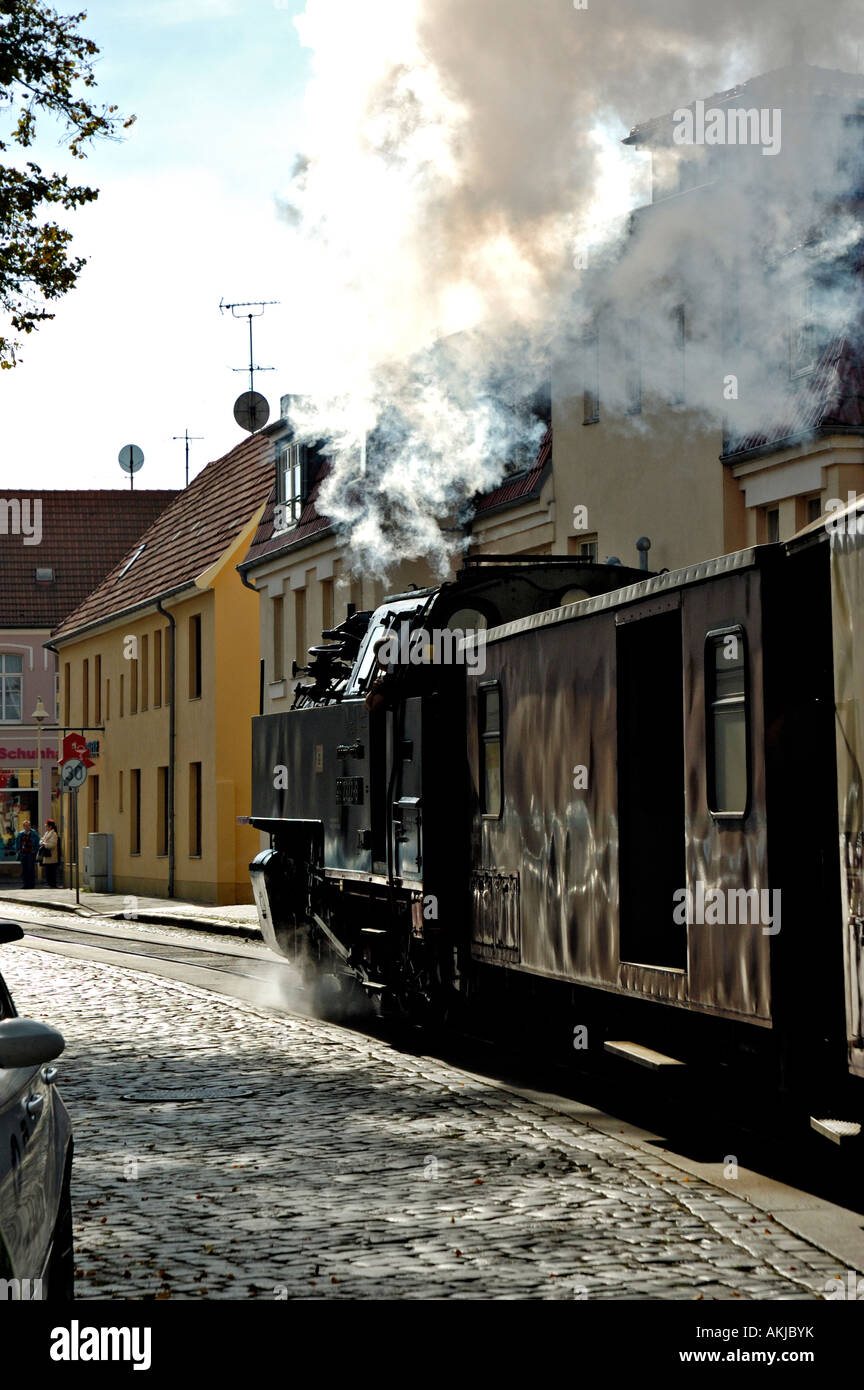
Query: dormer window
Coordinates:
[290,485]
[44,575]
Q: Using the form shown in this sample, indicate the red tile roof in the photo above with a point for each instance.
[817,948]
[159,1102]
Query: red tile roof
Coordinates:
[265,543]
[523,486]
[830,397]
[84,534]
[188,537]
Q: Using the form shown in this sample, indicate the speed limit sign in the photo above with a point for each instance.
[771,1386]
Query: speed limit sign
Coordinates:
[74,775]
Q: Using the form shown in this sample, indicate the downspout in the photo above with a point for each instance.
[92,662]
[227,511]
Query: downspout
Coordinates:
[172,721]
[255,590]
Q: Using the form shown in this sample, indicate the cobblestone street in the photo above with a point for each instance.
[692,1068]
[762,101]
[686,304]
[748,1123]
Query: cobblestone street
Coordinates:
[222,1152]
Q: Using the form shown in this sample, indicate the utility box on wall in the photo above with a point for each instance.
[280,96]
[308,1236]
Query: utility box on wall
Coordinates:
[99,862]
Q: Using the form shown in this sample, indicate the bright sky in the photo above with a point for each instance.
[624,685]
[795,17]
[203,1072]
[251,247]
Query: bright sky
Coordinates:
[186,216]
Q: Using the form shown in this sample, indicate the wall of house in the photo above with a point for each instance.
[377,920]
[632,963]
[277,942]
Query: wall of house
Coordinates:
[211,730]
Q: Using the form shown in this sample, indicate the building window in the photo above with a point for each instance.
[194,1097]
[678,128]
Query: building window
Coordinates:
[133,685]
[813,509]
[120,792]
[67,693]
[145,672]
[290,486]
[727,732]
[772,524]
[300,626]
[490,750]
[327,609]
[632,369]
[803,351]
[85,692]
[195,657]
[679,337]
[195,810]
[97,689]
[162,810]
[166,699]
[591,378]
[278,640]
[583,546]
[93,815]
[135,811]
[11,668]
[157,668]
[122,682]
[107,698]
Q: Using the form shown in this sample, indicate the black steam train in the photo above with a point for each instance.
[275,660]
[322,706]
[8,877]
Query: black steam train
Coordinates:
[625,814]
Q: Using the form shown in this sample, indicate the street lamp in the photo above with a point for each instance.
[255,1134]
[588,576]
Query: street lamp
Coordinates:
[39,715]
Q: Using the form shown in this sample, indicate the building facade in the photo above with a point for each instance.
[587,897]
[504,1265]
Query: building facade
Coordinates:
[163,655]
[55,547]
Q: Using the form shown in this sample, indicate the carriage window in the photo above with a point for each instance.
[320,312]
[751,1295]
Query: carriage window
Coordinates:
[726,689]
[490,749]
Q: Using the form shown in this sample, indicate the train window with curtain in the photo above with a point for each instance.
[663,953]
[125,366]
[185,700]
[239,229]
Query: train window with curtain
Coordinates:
[490,750]
[728,733]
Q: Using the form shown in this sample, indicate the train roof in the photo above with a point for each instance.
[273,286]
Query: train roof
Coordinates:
[658,584]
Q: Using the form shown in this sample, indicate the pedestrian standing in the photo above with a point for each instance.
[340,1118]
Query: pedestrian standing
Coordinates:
[49,853]
[26,847]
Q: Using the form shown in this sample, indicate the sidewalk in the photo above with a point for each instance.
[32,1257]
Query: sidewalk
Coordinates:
[235,919]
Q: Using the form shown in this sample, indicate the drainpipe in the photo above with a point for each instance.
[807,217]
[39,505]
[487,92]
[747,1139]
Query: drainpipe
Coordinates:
[254,587]
[172,725]
[60,827]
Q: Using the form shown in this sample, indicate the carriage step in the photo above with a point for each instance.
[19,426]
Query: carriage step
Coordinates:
[373,984]
[373,931]
[645,1056]
[836,1130]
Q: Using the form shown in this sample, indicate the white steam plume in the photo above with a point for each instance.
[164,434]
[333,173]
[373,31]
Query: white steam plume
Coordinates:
[456,152]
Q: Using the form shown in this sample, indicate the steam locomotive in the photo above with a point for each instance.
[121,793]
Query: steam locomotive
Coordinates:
[611,810]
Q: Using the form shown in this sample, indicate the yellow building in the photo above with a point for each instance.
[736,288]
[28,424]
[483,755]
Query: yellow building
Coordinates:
[162,661]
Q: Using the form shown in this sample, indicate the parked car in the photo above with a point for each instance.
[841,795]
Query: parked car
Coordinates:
[36,1258]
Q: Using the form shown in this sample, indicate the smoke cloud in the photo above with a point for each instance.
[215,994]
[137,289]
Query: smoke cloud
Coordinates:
[461,155]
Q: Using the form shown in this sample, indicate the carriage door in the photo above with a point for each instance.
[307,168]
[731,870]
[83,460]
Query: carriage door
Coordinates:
[650,784]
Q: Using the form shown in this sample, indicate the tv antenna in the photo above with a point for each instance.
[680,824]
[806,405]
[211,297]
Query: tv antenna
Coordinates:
[250,305]
[188,438]
[130,459]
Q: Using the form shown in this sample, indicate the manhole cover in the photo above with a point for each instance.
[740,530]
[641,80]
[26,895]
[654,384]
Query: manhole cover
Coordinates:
[185,1097]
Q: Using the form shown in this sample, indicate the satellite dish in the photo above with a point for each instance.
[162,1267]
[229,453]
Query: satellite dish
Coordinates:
[251,411]
[130,458]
